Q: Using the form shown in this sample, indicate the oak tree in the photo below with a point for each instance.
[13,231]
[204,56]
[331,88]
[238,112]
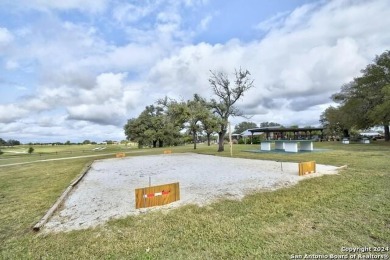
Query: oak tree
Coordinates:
[226,97]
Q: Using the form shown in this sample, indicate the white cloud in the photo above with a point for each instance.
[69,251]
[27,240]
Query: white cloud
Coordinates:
[107,103]
[12,65]
[93,6]
[135,57]
[53,97]
[168,17]
[5,38]
[46,128]
[298,18]
[108,113]
[21,88]
[188,71]
[60,54]
[130,13]
[36,105]
[108,87]
[74,56]
[297,66]
[11,112]
[204,23]
[80,48]
[158,21]
[272,23]
[192,2]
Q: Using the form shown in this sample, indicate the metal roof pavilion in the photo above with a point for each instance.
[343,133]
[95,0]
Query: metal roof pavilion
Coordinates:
[281,130]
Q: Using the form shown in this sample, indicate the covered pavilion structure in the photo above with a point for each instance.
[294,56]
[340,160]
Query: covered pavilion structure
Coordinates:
[281,133]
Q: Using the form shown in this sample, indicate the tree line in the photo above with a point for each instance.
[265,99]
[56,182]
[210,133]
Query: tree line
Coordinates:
[165,121]
[13,142]
[10,142]
[363,102]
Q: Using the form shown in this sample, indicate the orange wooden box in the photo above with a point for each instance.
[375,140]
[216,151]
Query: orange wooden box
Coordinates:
[120,155]
[307,168]
[157,195]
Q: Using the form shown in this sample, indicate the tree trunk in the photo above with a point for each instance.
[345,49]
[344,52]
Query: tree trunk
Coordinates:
[194,139]
[346,133]
[208,139]
[387,133]
[221,136]
[154,143]
[160,143]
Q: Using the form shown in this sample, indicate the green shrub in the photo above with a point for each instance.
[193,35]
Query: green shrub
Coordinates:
[256,140]
[30,150]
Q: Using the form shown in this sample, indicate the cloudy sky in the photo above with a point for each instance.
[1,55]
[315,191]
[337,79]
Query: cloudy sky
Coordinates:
[78,69]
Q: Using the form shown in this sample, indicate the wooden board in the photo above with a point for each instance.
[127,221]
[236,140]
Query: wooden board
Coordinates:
[120,155]
[157,195]
[307,168]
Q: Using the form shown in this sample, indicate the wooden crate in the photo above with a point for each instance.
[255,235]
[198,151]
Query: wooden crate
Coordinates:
[120,155]
[307,168]
[157,195]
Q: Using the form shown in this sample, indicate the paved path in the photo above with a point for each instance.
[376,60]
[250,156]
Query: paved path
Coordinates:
[65,158]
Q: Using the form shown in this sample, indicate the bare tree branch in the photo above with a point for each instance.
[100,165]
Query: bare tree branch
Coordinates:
[228,96]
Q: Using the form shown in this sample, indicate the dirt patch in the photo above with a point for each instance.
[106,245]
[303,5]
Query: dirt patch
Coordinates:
[107,190]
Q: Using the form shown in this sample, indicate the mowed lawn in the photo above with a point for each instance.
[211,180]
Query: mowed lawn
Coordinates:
[18,154]
[317,216]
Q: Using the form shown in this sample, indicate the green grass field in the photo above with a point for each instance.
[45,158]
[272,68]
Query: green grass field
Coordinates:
[317,216]
[18,154]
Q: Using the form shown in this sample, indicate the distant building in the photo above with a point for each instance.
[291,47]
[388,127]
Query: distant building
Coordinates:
[246,135]
[370,134]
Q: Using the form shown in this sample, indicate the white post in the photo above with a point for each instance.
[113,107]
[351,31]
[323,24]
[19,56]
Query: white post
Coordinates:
[230,140]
